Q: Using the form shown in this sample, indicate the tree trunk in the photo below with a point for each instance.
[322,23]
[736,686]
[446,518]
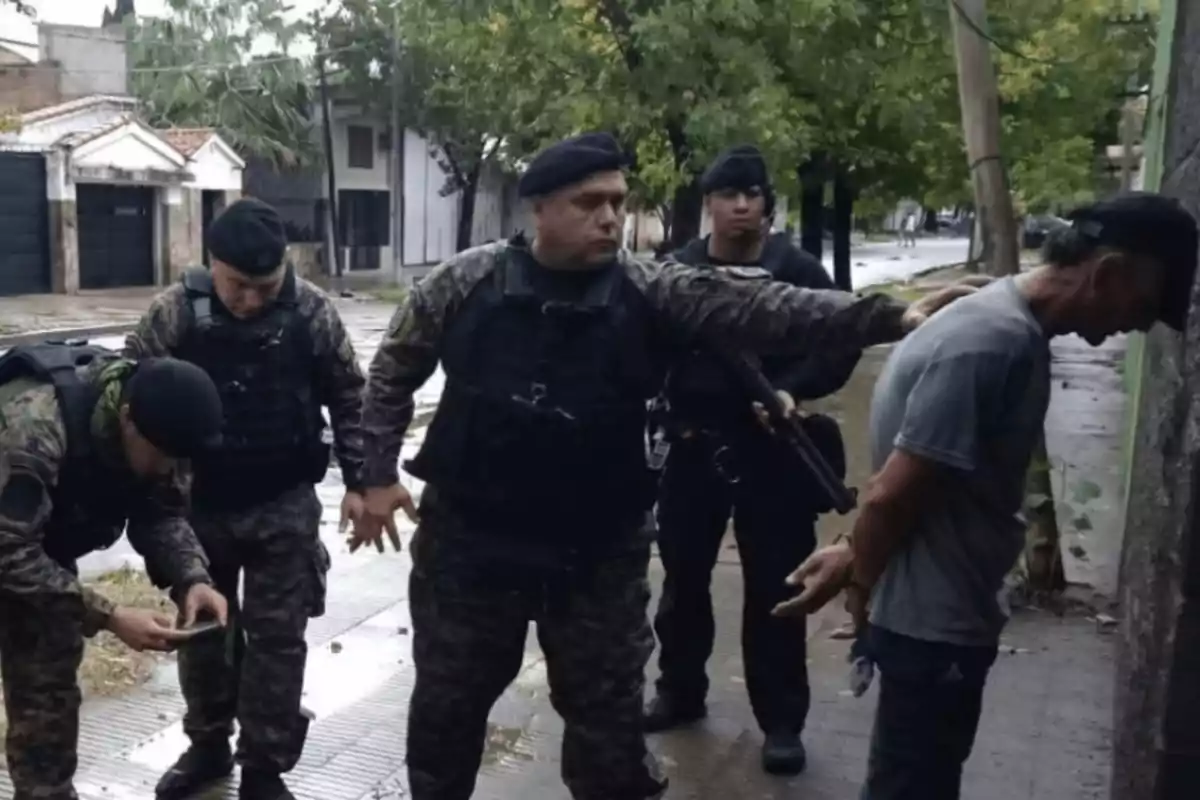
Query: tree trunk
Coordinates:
[931,221]
[466,215]
[979,99]
[843,218]
[686,211]
[812,207]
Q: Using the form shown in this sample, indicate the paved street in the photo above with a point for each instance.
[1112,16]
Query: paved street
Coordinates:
[1045,733]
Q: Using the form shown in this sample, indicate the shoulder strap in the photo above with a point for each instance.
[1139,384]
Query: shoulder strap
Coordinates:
[198,288]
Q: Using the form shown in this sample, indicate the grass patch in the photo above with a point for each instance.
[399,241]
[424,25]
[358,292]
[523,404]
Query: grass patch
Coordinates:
[389,294]
[109,667]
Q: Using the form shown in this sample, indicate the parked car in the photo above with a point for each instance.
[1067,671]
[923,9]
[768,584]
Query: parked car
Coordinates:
[1037,227]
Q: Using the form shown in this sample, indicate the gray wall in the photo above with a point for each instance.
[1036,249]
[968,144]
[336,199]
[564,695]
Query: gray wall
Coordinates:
[94,61]
[1157,714]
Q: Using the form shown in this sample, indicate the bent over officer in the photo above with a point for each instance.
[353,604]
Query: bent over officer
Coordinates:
[721,462]
[537,496]
[90,445]
[277,350]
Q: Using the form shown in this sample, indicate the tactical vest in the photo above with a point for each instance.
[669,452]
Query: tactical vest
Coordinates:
[540,429]
[699,389]
[265,371]
[90,506]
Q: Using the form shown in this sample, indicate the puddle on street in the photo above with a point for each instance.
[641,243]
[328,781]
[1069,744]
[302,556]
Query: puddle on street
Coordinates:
[350,667]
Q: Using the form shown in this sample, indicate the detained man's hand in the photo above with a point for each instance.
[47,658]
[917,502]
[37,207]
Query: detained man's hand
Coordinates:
[823,574]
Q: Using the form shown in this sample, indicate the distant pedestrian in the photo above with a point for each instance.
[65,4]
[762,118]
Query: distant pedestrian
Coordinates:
[908,231]
[957,412]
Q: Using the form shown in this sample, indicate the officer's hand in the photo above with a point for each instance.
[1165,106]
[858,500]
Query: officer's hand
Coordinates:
[380,505]
[142,629]
[924,308]
[204,598]
[789,408]
[823,574]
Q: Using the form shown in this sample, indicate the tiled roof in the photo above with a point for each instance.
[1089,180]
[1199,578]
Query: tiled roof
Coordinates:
[187,140]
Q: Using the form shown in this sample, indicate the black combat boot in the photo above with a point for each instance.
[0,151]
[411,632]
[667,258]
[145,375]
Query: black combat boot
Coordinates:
[665,712]
[783,753]
[201,764]
[260,785]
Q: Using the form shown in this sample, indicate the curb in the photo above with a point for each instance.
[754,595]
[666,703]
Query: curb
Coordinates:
[27,337]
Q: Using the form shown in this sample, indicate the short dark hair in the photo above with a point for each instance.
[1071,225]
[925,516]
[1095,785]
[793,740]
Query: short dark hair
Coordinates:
[1138,223]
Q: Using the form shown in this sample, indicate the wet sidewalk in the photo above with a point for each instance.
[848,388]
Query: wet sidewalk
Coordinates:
[1044,736]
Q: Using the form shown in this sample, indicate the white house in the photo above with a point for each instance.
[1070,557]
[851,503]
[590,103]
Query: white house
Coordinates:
[97,199]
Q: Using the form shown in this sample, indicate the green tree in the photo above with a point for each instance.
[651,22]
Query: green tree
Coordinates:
[193,69]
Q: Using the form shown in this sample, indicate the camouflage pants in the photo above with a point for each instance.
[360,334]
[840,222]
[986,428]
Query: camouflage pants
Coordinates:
[470,617]
[39,658]
[256,673]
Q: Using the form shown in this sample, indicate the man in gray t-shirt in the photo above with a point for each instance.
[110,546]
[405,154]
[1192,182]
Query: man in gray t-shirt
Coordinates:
[968,391]
[956,415]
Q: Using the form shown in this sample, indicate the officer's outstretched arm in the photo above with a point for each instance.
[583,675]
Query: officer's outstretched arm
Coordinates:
[407,357]
[774,318]
[31,450]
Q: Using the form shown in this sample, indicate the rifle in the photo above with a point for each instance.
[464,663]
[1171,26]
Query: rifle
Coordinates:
[787,426]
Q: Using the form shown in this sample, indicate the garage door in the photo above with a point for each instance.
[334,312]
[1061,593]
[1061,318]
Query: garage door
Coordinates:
[116,236]
[24,225]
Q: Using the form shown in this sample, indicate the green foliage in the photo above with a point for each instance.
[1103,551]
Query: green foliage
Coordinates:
[192,69]
[869,83]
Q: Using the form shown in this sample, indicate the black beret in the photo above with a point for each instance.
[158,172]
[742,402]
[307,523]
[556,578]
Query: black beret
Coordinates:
[571,161]
[175,405]
[1153,225]
[741,167]
[248,236]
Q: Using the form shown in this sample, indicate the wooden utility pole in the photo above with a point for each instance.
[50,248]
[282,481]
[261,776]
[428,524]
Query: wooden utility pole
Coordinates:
[980,101]
[397,146]
[327,137]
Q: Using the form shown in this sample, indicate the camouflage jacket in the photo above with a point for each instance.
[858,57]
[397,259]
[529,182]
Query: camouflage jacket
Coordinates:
[767,318]
[162,328]
[33,449]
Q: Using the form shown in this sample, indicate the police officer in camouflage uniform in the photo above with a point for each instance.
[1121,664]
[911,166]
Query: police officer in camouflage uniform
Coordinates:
[538,491]
[276,348]
[90,445]
[722,463]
